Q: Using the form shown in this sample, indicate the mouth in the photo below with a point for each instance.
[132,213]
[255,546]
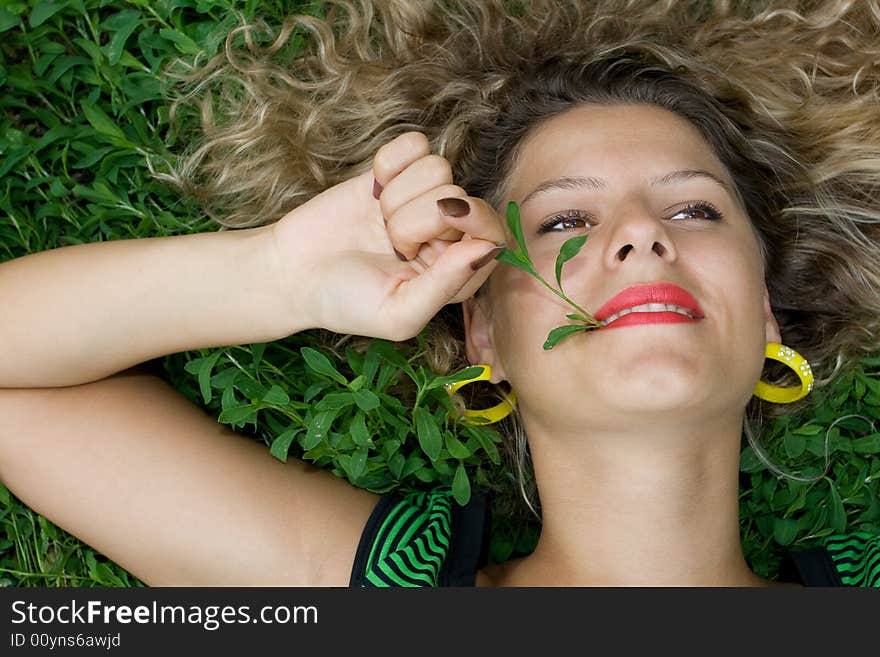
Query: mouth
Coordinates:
[648,303]
[650,313]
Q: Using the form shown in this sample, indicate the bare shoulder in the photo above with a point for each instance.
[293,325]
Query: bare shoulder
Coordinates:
[134,469]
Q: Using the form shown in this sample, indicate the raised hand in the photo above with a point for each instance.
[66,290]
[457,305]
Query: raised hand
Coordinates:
[383,267]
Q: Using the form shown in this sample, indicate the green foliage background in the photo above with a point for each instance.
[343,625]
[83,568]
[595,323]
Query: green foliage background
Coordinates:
[82,111]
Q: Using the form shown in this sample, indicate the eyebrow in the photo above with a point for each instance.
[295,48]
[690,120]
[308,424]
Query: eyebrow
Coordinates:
[590,182]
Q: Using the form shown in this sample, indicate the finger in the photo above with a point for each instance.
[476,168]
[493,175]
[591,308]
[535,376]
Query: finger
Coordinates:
[425,294]
[397,155]
[419,221]
[429,253]
[477,219]
[421,176]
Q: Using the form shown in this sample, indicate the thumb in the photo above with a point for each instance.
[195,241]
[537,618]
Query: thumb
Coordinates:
[458,265]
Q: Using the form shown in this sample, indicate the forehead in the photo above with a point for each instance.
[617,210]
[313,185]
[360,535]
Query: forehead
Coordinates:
[615,142]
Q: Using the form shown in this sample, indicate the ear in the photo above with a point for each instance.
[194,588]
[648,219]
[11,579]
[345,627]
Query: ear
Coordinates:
[478,335]
[772,328]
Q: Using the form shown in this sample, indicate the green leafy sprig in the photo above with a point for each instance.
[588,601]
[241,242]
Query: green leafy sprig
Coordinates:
[520,258]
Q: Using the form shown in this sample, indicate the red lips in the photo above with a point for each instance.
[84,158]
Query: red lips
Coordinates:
[650,293]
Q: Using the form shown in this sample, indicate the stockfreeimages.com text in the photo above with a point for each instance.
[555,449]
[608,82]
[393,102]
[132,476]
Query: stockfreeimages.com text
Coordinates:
[210,616]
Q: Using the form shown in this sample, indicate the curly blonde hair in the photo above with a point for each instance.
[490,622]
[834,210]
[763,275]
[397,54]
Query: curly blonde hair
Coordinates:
[787,93]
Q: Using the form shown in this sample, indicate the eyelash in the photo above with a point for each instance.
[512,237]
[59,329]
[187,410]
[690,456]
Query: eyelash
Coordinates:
[714,214]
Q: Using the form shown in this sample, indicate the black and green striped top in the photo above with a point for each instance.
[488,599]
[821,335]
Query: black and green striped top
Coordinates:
[425,538]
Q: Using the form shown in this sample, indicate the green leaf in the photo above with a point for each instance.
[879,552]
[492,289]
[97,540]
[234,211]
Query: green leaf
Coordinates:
[391,355]
[277,396]
[358,430]
[204,375]
[335,401]
[836,512]
[281,445]
[560,332]
[867,445]
[11,158]
[121,25]
[43,11]
[371,365]
[456,448]
[318,428]
[486,437]
[428,433]
[185,44]
[8,20]
[576,317]
[390,446]
[517,260]
[807,430]
[101,122]
[413,464]
[443,468]
[366,400]
[322,365]
[795,444]
[91,158]
[785,530]
[461,485]
[570,248]
[253,390]
[461,375]
[358,463]
[515,225]
[257,352]
[799,501]
[357,383]
[313,390]
[427,475]
[235,414]
[228,397]
[395,464]
[57,189]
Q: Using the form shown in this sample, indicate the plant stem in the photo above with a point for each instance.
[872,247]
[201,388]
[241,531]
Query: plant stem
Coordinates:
[562,296]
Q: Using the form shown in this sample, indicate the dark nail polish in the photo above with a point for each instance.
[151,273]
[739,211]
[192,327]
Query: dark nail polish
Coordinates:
[400,255]
[454,207]
[487,258]
[377,189]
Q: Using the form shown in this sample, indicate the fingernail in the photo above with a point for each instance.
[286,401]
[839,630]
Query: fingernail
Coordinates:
[486,258]
[377,189]
[400,255]
[453,207]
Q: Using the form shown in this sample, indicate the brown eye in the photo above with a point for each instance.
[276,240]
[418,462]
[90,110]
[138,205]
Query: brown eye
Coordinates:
[570,219]
[702,210]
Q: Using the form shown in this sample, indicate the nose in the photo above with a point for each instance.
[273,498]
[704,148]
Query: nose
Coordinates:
[636,234]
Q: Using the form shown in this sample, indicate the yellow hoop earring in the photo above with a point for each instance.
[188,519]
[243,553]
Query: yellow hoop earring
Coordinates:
[486,415]
[783,395]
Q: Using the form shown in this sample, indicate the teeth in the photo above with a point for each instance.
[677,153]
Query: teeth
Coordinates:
[649,308]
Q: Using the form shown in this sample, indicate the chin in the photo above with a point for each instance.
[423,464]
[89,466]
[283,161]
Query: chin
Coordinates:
[655,391]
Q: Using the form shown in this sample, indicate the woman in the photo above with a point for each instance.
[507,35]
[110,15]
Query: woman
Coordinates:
[706,174]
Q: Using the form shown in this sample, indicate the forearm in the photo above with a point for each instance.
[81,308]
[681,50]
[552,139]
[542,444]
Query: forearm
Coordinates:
[81,313]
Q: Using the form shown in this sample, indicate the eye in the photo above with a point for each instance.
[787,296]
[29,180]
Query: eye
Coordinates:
[701,210]
[569,218]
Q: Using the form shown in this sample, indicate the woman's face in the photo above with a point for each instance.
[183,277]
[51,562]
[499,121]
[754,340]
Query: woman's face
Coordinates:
[648,196]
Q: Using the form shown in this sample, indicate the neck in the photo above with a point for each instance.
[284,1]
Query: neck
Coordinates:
[648,505]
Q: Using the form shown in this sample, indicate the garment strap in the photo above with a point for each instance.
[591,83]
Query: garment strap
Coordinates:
[423,538]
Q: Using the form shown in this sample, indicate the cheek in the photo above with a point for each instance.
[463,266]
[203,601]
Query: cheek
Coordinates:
[739,273]
[522,313]
[732,276]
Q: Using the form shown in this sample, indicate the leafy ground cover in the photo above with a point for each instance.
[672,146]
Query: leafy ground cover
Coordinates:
[83,112]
